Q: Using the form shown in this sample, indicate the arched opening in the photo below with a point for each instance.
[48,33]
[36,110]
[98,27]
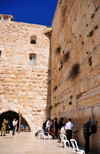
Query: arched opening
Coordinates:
[33,39]
[10,115]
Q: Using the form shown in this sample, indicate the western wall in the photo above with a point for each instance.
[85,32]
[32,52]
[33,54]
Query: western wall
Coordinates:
[75,65]
[24,79]
[74,60]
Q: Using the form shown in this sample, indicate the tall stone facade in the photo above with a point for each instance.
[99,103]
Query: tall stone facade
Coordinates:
[75,79]
[25,85]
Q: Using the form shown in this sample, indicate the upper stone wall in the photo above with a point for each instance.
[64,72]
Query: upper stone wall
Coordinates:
[24,87]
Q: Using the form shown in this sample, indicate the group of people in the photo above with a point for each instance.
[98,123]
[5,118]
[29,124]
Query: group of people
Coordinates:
[66,128]
[6,126]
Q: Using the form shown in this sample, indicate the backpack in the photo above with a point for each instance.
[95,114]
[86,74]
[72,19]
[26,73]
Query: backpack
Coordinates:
[44,124]
[36,134]
[93,129]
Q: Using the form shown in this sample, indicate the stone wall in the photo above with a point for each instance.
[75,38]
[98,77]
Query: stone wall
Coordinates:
[75,81]
[24,88]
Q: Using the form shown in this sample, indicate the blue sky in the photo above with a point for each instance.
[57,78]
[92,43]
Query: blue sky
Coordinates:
[30,11]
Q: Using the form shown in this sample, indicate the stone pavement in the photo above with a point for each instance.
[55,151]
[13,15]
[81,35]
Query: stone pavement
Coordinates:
[27,143]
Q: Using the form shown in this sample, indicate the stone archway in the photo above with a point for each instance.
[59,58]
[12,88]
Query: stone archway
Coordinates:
[23,111]
[10,115]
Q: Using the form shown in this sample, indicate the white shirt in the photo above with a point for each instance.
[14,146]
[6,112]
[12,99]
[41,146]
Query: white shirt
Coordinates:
[47,125]
[68,126]
[62,130]
[14,123]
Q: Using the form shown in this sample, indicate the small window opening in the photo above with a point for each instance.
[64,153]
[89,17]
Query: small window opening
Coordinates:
[32,59]
[33,40]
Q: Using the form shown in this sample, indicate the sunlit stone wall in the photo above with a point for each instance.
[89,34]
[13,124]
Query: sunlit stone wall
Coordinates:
[75,82]
[24,88]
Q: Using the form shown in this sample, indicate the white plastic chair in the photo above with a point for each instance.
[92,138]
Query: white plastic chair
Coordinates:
[40,132]
[64,140]
[46,134]
[75,147]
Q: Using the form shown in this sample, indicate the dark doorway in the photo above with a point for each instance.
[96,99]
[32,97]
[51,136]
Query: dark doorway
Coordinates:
[10,115]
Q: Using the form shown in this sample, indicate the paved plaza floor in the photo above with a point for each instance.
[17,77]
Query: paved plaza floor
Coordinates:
[27,143]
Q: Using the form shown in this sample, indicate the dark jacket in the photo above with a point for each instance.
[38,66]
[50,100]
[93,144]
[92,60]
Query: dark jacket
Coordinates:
[86,128]
[56,125]
[61,124]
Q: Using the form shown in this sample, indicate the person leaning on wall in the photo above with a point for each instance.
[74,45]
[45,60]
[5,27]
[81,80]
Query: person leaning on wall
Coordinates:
[88,130]
[87,134]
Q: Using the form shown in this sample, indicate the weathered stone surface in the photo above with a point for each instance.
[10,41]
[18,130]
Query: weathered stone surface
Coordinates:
[71,34]
[21,84]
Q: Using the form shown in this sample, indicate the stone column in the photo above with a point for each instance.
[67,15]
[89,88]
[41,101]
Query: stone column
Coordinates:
[19,123]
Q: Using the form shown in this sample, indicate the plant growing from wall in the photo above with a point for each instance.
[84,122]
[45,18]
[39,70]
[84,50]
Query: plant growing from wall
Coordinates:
[55,88]
[95,47]
[97,9]
[61,62]
[56,104]
[61,65]
[59,68]
[86,25]
[66,56]
[50,107]
[96,26]
[90,33]
[92,15]
[71,97]
[74,71]
[90,61]
[58,49]
[87,52]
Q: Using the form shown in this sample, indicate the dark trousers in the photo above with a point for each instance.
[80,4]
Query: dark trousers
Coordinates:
[56,131]
[51,128]
[13,130]
[7,130]
[69,135]
[87,149]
